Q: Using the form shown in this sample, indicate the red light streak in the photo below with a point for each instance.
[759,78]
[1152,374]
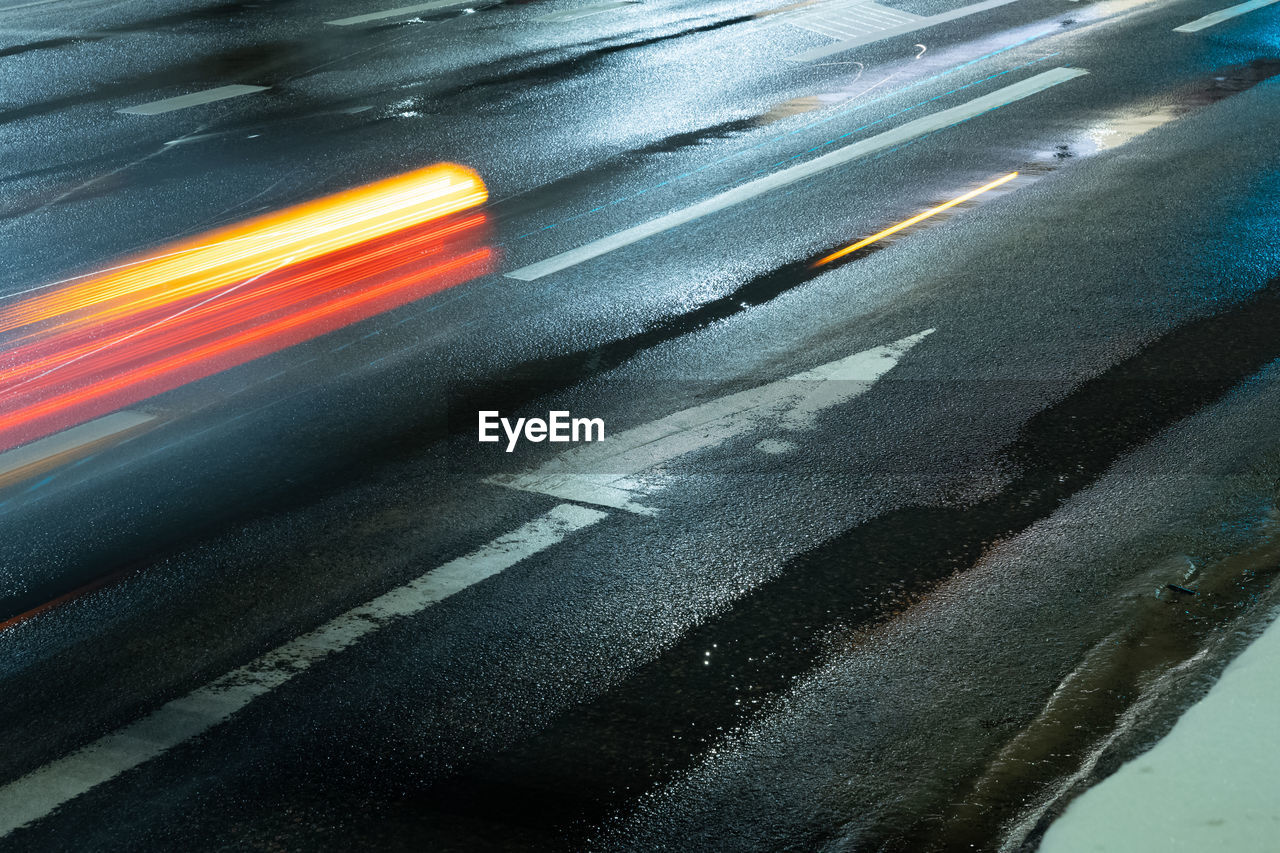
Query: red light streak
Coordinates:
[92,348]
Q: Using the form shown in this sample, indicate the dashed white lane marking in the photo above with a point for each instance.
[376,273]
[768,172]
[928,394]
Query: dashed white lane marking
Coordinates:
[195,99]
[839,157]
[607,473]
[586,11]
[397,12]
[852,41]
[1224,15]
[69,440]
[43,790]
[852,20]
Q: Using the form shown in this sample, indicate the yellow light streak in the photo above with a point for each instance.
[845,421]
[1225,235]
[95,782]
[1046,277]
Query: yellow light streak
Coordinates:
[262,244]
[919,217]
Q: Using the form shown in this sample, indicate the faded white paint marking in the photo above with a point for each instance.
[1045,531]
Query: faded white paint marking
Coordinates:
[1224,15]
[586,11]
[195,99]
[43,790]
[852,20]
[858,40]
[817,165]
[610,473]
[399,11]
[69,440]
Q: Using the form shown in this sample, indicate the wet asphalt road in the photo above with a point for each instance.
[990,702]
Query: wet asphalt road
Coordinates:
[918,619]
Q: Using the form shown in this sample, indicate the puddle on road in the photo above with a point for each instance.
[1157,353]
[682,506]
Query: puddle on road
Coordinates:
[1116,131]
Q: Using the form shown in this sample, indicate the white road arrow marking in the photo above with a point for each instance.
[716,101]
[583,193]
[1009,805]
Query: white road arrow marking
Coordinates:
[606,473]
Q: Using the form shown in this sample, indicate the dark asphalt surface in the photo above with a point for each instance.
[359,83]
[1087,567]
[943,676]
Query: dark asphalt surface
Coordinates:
[922,622]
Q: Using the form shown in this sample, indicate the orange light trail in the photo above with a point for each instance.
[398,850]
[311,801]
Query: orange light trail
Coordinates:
[63,353]
[108,341]
[258,246]
[919,217]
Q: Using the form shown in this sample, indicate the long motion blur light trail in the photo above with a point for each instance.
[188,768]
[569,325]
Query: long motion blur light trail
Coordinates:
[235,295]
[919,217]
[260,245]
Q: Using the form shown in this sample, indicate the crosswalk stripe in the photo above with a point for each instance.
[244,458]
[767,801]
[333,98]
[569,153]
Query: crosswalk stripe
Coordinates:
[851,20]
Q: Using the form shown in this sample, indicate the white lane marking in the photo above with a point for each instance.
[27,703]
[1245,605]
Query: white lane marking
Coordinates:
[195,99]
[586,11]
[608,473]
[397,12]
[848,43]
[70,439]
[839,157]
[1224,15]
[43,790]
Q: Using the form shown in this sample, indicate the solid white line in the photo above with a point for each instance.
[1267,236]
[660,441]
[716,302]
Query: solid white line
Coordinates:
[43,790]
[918,24]
[195,99]
[394,13]
[70,439]
[1225,15]
[839,157]
[605,473]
